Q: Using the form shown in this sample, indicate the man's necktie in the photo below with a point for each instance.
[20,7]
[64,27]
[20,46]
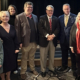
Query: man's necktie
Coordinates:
[50,23]
[66,20]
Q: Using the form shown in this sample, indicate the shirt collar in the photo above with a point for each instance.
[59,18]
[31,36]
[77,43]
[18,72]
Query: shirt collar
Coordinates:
[30,16]
[49,17]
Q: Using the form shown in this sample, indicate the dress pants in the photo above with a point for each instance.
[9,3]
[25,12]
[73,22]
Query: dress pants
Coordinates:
[28,53]
[43,56]
[65,49]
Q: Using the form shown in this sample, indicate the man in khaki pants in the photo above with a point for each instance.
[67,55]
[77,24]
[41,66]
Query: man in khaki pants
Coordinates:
[48,29]
[26,28]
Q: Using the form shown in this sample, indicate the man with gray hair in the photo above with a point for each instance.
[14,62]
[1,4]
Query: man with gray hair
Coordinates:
[26,28]
[48,30]
[66,21]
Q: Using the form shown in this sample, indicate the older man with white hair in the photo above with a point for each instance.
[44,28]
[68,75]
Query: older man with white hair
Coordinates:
[48,30]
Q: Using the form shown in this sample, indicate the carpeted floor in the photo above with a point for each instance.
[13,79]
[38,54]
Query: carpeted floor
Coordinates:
[30,76]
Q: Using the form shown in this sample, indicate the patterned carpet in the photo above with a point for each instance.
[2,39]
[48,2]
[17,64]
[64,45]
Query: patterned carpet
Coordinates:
[30,76]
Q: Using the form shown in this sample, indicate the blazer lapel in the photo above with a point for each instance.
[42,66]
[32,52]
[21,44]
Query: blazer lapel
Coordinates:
[26,20]
[35,21]
[63,21]
[47,22]
[69,20]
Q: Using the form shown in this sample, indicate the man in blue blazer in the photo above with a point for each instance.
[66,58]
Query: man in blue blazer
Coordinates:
[66,21]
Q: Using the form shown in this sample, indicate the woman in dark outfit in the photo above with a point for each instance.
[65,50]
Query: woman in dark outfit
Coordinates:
[13,11]
[10,45]
[75,43]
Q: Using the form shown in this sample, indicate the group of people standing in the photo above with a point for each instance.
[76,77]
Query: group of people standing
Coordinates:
[24,31]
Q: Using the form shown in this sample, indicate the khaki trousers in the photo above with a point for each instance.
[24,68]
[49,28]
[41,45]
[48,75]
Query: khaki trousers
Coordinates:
[28,53]
[43,56]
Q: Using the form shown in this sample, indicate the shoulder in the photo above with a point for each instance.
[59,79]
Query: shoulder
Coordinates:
[73,15]
[74,25]
[20,15]
[43,16]
[61,16]
[54,17]
[34,15]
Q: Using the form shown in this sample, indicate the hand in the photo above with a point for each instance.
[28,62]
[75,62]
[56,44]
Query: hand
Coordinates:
[72,50]
[58,41]
[0,66]
[16,51]
[50,37]
[21,45]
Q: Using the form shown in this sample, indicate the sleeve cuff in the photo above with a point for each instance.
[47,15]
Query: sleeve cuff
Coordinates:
[47,35]
[54,35]
[70,47]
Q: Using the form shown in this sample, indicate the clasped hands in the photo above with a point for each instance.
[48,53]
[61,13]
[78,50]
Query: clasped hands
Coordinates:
[50,37]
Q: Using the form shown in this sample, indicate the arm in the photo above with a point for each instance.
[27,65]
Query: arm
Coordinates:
[1,53]
[70,43]
[18,28]
[70,40]
[16,43]
[41,29]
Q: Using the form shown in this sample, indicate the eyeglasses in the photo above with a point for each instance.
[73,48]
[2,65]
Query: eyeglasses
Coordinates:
[50,10]
[30,7]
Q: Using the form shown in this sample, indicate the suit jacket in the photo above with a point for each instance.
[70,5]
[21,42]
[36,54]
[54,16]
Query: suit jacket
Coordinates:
[44,28]
[1,56]
[23,28]
[65,31]
[73,37]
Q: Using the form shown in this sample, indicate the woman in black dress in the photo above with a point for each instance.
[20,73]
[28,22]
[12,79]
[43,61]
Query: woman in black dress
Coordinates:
[10,45]
[13,11]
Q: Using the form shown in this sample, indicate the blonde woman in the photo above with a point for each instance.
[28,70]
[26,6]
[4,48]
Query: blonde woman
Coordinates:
[10,45]
[75,42]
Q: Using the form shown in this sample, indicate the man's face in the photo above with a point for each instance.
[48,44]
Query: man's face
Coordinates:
[49,11]
[28,9]
[66,9]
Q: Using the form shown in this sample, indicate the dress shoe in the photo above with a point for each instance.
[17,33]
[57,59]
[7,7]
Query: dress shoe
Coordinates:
[62,68]
[43,74]
[53,72]
[34,72]
[23,76]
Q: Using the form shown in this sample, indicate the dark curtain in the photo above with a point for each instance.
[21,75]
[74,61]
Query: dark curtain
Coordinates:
[4,4]
[40,6]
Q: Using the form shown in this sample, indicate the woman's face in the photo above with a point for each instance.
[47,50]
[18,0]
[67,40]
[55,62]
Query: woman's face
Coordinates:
[12,11]
[5,18]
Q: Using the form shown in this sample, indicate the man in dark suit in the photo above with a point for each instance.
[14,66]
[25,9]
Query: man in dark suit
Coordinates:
[66,21]
[26,28]
[48,30]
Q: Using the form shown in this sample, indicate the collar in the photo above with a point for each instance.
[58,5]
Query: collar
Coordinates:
[30,16]
[49,17]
